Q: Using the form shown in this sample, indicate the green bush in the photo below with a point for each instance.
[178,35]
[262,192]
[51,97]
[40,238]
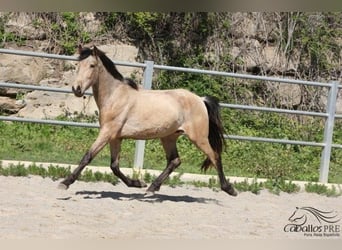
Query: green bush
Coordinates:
[18,170]
[322,189]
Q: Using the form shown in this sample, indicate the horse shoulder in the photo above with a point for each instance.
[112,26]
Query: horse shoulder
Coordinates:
[117,106]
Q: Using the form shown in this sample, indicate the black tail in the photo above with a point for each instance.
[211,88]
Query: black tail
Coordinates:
[216,130]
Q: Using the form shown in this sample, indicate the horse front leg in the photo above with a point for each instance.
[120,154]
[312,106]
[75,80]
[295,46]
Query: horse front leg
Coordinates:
[115,155]
[99,143]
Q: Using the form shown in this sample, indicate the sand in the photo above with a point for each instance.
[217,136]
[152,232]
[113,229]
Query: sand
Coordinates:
[33,207]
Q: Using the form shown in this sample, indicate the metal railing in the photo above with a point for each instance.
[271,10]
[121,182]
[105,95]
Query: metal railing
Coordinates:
[149,66]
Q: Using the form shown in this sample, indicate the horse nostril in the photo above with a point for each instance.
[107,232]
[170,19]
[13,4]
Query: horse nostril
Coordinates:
[77,91]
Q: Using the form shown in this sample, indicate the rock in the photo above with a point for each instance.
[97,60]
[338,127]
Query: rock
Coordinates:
[289,95]
[22,24]
[90,23]
[123,52]
[49,105]
[23,69]
[10,105]
[243,25]
[275,61]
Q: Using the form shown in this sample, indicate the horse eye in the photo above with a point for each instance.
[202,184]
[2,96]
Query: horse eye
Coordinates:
[92,65]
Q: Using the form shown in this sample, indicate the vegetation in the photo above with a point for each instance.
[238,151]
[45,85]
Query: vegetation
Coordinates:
[9,36]
[56,172]
[274,186]
[323,189]
[63,144]
[197,39]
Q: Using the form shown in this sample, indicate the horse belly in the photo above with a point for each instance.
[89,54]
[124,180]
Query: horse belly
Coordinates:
[149,125]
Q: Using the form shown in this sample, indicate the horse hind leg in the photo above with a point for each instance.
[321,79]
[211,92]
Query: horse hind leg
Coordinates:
[214,159]
[173,161]
[225,185]
[115,155]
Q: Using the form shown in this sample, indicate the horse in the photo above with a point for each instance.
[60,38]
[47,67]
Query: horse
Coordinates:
[127,111]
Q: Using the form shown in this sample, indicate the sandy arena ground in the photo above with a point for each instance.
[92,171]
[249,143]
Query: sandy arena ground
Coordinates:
[33,207]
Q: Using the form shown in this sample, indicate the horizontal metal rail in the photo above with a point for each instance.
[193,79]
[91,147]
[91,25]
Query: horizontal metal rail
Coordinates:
[37,54]
[62,57]
[230,137]
[272,140]
[171,68]
[235,75]
[281,141]
[50,122]
[225,105]
[38,87]
[275,110]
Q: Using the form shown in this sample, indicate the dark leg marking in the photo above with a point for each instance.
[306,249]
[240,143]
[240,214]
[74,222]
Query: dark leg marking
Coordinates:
[87,158]
[225,185]
[115,146]
[128,181]
[173,161]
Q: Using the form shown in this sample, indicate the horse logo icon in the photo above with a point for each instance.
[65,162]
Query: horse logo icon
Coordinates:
[304,214]
[311,220]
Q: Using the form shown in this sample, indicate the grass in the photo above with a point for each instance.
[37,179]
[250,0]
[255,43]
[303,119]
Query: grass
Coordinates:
[274,186]
[66,144]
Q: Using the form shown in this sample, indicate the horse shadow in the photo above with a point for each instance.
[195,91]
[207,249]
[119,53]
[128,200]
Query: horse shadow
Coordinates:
[156,198]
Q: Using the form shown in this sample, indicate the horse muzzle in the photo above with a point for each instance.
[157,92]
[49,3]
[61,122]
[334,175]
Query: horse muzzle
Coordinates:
[77,91]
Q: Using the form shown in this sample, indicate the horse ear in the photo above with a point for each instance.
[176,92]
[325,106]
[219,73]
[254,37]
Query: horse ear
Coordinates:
[95,50]
[79,48]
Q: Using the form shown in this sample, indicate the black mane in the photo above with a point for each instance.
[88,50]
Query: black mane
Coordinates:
[108,64]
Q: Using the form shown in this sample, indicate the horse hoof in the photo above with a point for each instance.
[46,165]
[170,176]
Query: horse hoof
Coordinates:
[143,184]
[62,186]
[233,192]
[138,184]
[149,194]
[230,190]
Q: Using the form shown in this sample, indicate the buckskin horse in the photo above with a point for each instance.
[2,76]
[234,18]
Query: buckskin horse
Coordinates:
[127,111]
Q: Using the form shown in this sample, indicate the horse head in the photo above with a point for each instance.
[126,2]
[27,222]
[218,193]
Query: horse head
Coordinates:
[90,67]
[298,217]
[88,70]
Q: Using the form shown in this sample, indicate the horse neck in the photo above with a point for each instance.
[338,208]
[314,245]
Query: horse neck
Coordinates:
[104,88]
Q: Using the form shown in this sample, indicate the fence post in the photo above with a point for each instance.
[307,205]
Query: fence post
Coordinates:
[140,144]
[328,133]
